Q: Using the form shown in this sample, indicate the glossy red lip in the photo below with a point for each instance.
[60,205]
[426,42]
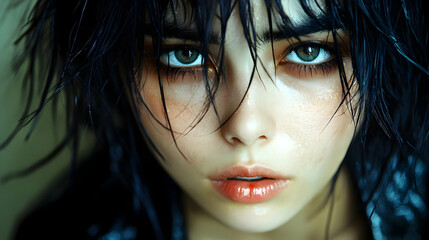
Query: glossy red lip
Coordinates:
[262,184]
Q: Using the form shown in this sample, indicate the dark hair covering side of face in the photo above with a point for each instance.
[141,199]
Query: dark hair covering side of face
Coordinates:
[389,159]
[95,50]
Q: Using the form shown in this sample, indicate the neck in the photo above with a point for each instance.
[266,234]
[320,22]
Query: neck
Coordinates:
[334,215]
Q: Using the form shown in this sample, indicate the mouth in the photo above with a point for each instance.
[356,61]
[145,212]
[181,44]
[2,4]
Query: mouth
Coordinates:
[249,184]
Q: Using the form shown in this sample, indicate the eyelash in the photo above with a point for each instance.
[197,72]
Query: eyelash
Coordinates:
[308,70]
[175,73]
[297,69]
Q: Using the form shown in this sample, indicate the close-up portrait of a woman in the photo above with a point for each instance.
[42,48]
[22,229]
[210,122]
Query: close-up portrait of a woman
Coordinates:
[216,119]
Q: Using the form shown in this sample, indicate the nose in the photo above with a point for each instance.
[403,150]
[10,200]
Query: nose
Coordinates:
[253,122]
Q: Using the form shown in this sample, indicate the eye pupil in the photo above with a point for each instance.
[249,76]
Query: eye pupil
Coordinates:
[307,53]
[186,56]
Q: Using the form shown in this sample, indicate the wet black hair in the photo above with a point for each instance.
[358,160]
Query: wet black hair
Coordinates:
[92,52]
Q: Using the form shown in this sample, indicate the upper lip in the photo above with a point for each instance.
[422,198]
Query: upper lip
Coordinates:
[247,171]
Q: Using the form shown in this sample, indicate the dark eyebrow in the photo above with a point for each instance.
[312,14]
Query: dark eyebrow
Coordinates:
[285,31]
[185,33]
[296,30]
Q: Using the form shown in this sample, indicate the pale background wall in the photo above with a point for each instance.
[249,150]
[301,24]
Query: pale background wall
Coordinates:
[19,195]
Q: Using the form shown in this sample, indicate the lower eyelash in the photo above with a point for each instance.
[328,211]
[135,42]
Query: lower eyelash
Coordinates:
[182,74]
[300,70]
[175,74]
[304,71]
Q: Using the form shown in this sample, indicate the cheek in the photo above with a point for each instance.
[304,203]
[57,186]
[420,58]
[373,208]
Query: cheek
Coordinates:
[183,105]
[320,128]
[306,113]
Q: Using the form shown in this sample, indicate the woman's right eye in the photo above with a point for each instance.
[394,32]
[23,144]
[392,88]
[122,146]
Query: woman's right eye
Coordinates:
[182,58]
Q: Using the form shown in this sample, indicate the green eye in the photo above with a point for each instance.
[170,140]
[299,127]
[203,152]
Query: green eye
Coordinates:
[307,53]
[183,58]
[186,56]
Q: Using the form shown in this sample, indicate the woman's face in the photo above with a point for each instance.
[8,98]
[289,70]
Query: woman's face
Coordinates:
[260,156]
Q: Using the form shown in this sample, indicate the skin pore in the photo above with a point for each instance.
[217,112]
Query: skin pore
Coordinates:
[288,121]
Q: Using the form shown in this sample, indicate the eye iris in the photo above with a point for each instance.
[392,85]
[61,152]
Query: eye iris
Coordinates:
[186,56]
[307,53]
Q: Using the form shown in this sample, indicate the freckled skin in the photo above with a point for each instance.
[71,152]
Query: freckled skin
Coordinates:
[288,124]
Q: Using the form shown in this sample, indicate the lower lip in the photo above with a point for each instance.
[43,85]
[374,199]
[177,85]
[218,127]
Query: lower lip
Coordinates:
[250,191]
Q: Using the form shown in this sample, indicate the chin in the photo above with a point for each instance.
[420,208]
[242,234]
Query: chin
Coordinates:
[252,226]
[258,221]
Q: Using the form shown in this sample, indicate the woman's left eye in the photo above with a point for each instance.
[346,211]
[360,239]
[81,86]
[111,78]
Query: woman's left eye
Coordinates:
[182,58]
[308,54]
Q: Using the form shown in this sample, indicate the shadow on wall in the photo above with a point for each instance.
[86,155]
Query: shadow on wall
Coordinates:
[19,195]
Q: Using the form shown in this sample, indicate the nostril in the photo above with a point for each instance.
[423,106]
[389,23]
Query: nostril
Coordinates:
[263,137]
[235,140]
